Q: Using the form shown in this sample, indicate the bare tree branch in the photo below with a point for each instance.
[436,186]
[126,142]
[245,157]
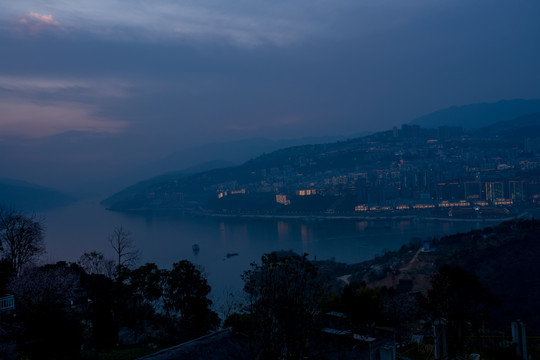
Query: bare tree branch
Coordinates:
[122,244]
[21,237]
[94,262]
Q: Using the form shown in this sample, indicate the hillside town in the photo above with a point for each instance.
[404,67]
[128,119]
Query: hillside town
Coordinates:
[407,171]
[444,171]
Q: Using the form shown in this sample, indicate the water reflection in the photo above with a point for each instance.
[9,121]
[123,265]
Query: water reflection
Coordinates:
[361,225]
[403,224]
[164,239]
[283,230]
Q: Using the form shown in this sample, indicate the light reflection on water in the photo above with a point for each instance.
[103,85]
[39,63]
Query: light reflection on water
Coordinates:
[167,238]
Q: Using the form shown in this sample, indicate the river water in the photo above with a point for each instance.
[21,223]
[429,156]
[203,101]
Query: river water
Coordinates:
[167,238]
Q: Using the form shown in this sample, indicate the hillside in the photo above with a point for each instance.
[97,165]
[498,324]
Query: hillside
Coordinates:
[142,186]
[236,152]
[518,129]
[504,258]
[408,172]
[30,197]
[479,115]
[199,189]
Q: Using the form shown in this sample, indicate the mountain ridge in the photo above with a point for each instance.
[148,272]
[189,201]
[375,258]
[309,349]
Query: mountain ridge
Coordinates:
[29,197]
[480,114]
[317,166]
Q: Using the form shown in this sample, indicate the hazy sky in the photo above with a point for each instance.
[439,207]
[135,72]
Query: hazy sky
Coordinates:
[98,86]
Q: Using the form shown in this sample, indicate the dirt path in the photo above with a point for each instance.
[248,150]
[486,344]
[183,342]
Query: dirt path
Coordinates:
[413,263]
[345,278]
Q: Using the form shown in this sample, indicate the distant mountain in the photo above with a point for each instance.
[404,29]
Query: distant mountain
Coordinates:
[520,121]
[30,197]
[203,158]
[141,186]
[176,189]
[479,115]
[236,152]
[518,129]
[331,178]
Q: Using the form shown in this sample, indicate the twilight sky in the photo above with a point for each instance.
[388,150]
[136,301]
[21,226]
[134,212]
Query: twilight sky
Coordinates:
[91,88]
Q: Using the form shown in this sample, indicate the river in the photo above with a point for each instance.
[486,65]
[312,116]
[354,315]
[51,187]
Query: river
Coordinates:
[166,238]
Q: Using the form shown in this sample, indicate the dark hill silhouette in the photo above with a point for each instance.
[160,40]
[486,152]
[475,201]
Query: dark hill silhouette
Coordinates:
[504,258]
[517,129]
[29,197]
[479,115]
[233,151]
[168,177]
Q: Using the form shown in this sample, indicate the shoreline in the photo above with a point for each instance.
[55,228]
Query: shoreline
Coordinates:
[366,218]
[350,217]
[319,217]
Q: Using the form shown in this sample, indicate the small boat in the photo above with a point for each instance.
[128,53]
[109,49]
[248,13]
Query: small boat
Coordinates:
[231,255]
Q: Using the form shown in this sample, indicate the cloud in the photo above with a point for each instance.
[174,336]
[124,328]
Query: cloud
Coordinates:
[28,86]
[43,106]
[31,120]
[243,22]
[45,19]
[247,23]
[37,23]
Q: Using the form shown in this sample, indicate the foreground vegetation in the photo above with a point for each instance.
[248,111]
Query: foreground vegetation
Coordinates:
[99,308]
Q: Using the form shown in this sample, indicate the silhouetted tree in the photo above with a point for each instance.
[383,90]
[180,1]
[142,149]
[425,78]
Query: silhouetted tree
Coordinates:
[21,238]
[47,327]
[94,263]
[49,332]
[47,284]
[125,251]
[146,283]
[103,294]
[362,304]
[283,301]
[458,297]
[186,294]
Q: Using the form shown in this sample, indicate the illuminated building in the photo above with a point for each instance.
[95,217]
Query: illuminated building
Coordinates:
[360,208]
[307,192]
[517,190]
[494,191]
[282,199]
[402,207]
[423,206]
[222,194]
[460,203]
[241,191]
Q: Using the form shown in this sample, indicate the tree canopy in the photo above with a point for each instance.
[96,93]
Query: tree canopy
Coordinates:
[186,294]
[283,300]
[21,238]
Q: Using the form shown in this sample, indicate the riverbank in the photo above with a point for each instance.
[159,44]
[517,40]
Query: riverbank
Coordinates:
[363,218]
[325,217]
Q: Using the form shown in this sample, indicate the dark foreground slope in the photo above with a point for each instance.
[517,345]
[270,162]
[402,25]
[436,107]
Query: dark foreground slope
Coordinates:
[504,258]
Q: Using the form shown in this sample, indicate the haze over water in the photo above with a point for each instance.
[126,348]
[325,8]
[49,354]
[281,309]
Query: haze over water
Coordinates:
[167,238]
